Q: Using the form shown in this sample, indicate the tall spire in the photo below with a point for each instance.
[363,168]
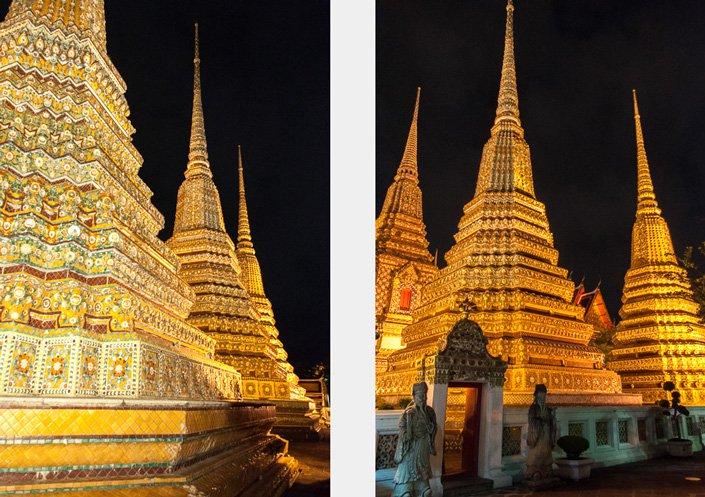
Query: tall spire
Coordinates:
[651,238]
[198,202]
[251,273]
[506,162]
[401,248]
[198,153]
[244,237]
[408,167]
[646,196]
[404,195]
[508,98]
[660,337]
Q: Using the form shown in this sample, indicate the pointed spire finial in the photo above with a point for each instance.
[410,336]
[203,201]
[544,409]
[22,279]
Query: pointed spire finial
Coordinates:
[645,188]
[244,237]
[508,98]
[197,51]
[198,152]
[408,167]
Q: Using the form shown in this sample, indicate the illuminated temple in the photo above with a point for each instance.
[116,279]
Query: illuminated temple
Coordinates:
[503,262]
[106,381]
[296,408]
[403,262]
[242,324]
[660,337]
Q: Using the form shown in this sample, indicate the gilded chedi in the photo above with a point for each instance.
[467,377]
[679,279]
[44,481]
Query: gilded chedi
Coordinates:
[223,308]
[660,337]
[296,412]
[80,255]
[101,376]
[403,263]
[504,261]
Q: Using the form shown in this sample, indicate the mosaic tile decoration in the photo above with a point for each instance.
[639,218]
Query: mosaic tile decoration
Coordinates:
[116,365]
[103,381]
[65,443]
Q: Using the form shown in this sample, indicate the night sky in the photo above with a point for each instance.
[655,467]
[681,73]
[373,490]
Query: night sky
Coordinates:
[265,79]
[577,62]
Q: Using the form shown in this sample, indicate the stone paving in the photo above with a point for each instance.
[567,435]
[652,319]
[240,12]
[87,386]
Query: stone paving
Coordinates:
[314,461]
[663,477]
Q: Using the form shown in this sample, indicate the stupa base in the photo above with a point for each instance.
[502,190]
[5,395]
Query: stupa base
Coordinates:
[297,420]
[158,448]
[513,399]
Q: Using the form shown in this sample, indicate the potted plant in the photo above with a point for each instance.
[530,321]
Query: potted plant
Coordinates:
[677,446]
[572,466]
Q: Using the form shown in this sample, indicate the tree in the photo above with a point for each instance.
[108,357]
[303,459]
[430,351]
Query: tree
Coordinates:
[694,263]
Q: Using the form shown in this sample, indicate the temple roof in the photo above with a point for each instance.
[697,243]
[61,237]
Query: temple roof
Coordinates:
[593,302]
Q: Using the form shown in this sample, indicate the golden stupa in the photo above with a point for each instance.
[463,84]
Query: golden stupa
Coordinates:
[504,261]
[104,385]
[297,411]
[223,308]
[403,262]
[660,337]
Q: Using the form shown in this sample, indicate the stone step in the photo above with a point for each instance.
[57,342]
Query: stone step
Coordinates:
[461,486]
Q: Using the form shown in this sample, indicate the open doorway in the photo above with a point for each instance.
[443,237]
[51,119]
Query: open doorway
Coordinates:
[462,434]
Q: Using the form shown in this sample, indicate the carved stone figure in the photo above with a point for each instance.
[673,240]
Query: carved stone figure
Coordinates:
[417,435]
[541,437]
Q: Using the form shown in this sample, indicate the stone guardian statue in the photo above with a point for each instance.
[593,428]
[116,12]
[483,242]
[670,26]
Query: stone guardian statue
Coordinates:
[541,438]
[417,435]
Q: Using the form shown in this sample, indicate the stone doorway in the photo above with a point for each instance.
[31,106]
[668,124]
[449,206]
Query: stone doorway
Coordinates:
[462,433]
[465,390]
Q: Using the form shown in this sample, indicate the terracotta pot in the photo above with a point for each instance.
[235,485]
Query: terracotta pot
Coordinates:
[574,469]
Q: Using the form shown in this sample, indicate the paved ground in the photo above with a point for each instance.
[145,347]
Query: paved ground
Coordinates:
[314,459]
[664,477]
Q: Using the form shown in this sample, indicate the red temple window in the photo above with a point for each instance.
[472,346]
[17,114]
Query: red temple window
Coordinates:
[405,299]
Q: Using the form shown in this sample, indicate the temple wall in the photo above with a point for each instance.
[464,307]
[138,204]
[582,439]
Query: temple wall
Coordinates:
[152,447]
[617,435]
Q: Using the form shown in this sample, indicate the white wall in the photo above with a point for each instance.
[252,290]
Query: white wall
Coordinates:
[614,452]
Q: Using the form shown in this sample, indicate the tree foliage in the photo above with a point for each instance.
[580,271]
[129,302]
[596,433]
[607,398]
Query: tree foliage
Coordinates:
[694,263]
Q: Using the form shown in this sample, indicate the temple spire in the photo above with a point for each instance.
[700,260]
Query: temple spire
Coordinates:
[646,196]
[408,167]
[244,237]
[404,195]
[198,152]
[508,99]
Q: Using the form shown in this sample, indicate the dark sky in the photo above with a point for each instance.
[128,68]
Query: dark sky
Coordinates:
[577,62]
[265,74]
